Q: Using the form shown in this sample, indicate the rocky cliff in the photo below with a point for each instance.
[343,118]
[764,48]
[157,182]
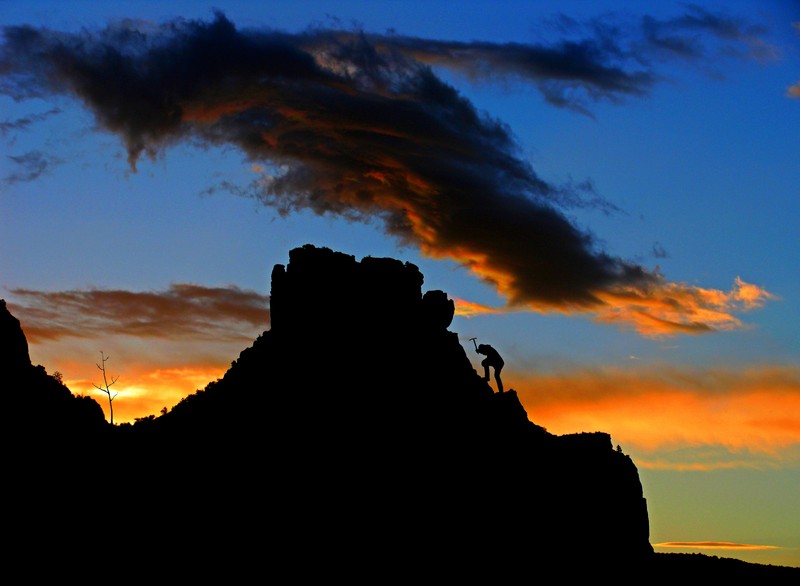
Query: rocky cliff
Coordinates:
[378,436]
[38,406]
[354,438]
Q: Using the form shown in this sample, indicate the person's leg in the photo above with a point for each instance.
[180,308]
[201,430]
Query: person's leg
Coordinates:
[497,378]
[485,365]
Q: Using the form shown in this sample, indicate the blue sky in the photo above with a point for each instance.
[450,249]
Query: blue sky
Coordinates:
[662,135]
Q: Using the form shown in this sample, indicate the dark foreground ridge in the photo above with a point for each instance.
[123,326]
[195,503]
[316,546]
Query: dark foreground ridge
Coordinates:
[353,440]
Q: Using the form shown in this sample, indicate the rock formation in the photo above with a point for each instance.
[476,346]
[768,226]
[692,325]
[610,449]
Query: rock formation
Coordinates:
[355,435]
[378,436]
[352,441]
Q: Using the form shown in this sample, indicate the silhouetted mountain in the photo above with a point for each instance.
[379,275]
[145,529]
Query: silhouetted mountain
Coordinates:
[376,420]
[38,405]
[354,440]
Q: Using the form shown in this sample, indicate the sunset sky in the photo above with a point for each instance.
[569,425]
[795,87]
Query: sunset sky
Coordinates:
[610,191]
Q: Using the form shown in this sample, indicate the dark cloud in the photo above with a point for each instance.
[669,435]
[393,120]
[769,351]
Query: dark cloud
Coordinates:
[359,126]
[30,166]
[26,121]
[701,34]
[566,73]
[606,58]
[658,251]
[183,310]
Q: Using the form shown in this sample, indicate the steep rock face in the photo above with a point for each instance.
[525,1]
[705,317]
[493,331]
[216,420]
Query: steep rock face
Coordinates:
[377,435]
[38,407]
[14,355]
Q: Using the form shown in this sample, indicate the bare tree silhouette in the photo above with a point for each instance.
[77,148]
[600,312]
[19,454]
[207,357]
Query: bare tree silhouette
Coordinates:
[106,388]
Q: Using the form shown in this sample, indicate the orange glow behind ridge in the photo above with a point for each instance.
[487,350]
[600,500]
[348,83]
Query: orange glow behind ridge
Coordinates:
[752,411]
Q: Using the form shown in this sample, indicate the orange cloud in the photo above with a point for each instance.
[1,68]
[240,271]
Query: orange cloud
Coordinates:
[692,418]
[466,308]
[183,310]
[662,310]
[668,309]
[712,545]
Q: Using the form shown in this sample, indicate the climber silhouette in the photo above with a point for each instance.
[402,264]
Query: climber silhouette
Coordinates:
[492,359]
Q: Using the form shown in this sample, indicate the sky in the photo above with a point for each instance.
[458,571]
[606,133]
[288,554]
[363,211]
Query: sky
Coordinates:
[608,191]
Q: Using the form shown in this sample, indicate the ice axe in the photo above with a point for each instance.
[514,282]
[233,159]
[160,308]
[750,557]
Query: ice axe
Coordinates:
[475,343]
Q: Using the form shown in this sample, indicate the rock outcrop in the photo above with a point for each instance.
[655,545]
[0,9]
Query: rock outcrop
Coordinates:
[378,436]
[355,439]
[39,408]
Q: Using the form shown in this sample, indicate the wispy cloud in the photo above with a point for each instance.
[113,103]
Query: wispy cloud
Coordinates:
[692,34]
[677,308]
[695,419]
[360,126]
[30,166]
[466,308]
[658,251]
[25,122]
[712,545]
[181,311]
[606,58]
[665,310]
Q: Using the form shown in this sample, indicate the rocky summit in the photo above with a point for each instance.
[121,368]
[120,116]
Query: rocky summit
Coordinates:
[370,434]
[353,439]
